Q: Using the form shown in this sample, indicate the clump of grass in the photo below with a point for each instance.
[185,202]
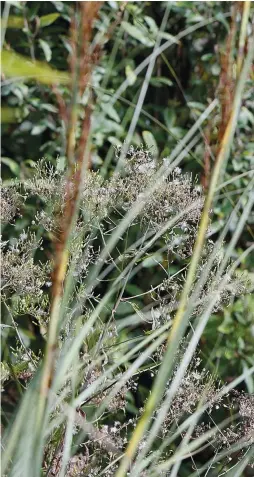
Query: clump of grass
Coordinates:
[82,409]
[93,377]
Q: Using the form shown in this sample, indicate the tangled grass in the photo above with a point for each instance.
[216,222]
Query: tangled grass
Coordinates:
[90,411]
[78,405]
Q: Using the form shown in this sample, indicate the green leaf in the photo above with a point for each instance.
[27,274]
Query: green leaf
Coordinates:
[110,111]
[14,22]
[133,289]
[167,36]
[207,57]
[215,69]
[115,141]
[170,117]
[46,49]
[124,308]
[221,17]
[49,107]
[20,91]
[131,408]
[249,379]
[96,159]
[38,129]
[130,75]
[13,166]
[196,105]
[61,163]
[15,65]
[152,260]
[136,33]
[160,81]
[47,20]
[226,326]
[194,18]
[178,132]
[151,23]
[17,4]
[150,142]
[11,115]
[246,116]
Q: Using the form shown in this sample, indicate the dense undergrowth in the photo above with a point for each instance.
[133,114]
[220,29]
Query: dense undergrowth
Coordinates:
[126,273]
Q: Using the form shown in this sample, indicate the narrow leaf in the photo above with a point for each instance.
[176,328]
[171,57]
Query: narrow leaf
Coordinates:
[130,75]
[14,22]
[136,33]
[13,165]
[46,49]
[151,142]
[47,20]
[15,65]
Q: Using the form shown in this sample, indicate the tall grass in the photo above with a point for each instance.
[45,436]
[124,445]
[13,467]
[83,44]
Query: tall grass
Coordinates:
[72,417]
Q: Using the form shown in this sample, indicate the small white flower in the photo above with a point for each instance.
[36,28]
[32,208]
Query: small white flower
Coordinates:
[177,171]
[146,167]
[23,236]
[184,226]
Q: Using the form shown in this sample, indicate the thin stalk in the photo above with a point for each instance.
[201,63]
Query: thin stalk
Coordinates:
[233,449]
[180,322]
[235,178]
[5,17]
[193,446]
[197,414]
[158,51]
[77,342]
[75,175]
[142,95]
[171,392]
[243,36]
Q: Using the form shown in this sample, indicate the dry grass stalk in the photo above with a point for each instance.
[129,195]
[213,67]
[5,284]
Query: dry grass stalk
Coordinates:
[227,81]
[89,12]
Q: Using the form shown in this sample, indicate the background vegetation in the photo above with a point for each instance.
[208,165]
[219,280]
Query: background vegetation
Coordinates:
[71,71]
